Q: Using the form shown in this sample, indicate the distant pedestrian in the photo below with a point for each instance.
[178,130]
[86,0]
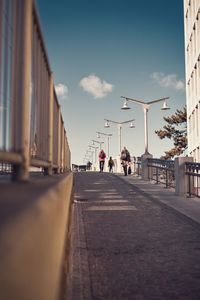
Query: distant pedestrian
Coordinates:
[125,159]
[89,165]
[102,157]
[111,164]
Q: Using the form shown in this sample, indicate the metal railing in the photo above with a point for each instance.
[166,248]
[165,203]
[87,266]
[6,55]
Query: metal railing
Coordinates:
[5,168]
[161,171]
[32,130]
[192,170]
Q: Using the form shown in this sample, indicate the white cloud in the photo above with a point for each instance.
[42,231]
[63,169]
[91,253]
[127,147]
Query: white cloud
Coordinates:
[168,81]
[61,91]
[96,86]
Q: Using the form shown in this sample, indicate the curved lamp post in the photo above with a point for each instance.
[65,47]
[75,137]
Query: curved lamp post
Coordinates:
[95,148]
[145,106]
[119,125]
[91,154]
[108,139]
[100,144]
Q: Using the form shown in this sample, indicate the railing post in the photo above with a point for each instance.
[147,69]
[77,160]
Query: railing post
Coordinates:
[150,171]
[166,174]
[22,88]
[189,185]
[156,175]
[69,159]
[144,165]
[181,182]
[59,139]
[49,170]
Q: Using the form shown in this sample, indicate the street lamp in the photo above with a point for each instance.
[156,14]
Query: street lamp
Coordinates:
[119,125]
[145,106]
[94,147]
[90,154]
[108,139]
[100,144]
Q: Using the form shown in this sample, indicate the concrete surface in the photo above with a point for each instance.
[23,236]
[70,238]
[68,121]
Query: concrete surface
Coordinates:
[189,207]
[33,228]
[132,240]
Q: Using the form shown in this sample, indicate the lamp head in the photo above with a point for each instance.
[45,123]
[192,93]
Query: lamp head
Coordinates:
[132,125]
[107,125]
[125,105]
[165,106]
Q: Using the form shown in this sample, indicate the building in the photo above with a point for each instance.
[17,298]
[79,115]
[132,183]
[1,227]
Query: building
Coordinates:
[192,69]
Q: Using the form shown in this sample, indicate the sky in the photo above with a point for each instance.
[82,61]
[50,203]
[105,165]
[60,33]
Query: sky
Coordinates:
[102,50]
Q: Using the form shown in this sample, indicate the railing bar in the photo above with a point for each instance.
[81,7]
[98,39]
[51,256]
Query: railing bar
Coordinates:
[34,162]
[157,175]
[40,98]
[30,128]
[43,129]
[10,157]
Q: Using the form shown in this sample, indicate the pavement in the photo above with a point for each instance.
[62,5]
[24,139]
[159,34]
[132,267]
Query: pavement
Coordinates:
[188,206]
[131,239]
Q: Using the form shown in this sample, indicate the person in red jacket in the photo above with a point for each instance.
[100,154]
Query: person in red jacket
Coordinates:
[102,157]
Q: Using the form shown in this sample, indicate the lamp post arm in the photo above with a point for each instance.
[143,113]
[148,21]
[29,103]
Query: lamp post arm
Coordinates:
[119,123]
[97,142]
[106,134]
[144,103]
[111,121]
[158,100]
[134,100]
[125,122]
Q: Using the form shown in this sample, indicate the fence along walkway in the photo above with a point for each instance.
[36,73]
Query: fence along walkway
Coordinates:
[187,174]
[161,171]
[32,130]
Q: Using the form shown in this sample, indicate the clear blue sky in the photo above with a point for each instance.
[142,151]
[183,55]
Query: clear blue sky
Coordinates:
[100,50]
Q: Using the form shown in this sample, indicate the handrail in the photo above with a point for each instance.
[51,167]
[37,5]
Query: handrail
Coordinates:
[10,157]
[192,170]
[162,171]
[165,164]
[45,145]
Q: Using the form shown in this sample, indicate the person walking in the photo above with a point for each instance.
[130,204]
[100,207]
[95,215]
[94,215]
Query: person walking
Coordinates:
[125,160]
[102,157]
[111,164]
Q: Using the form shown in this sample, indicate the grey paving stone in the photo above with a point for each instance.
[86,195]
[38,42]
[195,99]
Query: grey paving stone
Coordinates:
[149,252]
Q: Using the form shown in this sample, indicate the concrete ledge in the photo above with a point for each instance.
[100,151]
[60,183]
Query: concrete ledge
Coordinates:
[33,228]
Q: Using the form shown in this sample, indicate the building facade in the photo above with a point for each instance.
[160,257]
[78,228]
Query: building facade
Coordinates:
[192,69]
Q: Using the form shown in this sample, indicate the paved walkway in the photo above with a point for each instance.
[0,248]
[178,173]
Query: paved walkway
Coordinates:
[132,240]
[190,207]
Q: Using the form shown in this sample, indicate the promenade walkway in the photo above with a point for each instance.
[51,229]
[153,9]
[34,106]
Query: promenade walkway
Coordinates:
[131,239]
